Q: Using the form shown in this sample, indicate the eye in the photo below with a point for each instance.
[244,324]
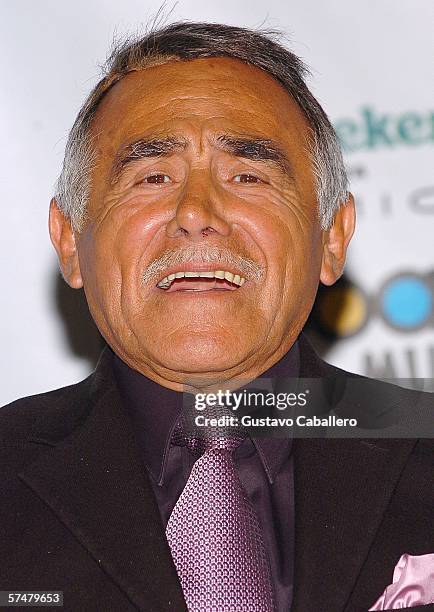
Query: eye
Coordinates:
[156,179]
[247,178]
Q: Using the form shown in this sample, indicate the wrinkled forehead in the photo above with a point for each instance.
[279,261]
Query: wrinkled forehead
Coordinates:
[215,93]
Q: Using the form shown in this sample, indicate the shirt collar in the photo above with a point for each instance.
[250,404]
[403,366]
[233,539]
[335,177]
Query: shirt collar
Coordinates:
[154,411]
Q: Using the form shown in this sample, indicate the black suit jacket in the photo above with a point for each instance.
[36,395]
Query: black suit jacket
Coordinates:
[78,514]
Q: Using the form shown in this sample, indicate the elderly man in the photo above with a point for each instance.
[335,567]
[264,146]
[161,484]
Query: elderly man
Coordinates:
[202,200]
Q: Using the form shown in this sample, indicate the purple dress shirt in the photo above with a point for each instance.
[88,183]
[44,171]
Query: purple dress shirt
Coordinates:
[264,464]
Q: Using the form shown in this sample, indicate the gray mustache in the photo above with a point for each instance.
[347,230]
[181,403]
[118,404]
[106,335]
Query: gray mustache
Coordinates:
[249,268]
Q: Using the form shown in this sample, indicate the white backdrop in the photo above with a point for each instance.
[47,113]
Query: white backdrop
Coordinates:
[371,65]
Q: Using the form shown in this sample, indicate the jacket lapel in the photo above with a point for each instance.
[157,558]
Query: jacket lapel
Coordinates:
[94,481]
[342,490]
[338,511]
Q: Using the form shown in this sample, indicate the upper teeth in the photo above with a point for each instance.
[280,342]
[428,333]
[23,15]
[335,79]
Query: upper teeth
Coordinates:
[232,278]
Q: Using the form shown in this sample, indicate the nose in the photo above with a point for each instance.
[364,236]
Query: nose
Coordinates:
[198,210]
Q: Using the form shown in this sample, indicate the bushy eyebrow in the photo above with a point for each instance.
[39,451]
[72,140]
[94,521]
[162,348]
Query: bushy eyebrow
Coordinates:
[247,147]
[255,149]
[144,148]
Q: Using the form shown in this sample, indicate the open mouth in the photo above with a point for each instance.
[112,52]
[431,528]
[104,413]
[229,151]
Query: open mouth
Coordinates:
[207,280]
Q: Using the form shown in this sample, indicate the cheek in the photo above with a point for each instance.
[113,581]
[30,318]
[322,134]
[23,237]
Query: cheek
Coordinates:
[288,225]
[110,254]
[136,234]
[125,235]
[291,241]
[101,276]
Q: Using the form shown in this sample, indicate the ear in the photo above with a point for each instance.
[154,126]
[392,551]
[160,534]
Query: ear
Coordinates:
[335,242]
[63,239]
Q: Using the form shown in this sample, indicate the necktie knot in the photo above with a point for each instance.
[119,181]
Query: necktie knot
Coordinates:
[215,435]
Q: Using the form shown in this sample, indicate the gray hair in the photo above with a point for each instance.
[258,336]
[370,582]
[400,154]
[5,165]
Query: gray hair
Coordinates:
[188,41]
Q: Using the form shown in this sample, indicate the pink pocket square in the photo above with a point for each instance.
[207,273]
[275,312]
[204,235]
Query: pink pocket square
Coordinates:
[413,584]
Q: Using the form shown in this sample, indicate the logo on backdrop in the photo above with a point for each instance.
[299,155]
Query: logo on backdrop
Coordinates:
[404,301]
[372,130]
[387,204]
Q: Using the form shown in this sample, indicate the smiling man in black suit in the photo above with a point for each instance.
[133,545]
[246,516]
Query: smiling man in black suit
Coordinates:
[203,198]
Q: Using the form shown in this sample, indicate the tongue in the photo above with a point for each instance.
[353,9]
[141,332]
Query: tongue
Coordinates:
[200,284]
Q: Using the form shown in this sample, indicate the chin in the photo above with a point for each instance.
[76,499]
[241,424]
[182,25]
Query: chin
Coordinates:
[201,354]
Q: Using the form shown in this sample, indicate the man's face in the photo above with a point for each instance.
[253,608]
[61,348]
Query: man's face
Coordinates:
[202,166]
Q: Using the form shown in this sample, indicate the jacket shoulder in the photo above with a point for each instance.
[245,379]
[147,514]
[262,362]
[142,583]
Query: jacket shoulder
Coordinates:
[380,388]
[45,413]
[51,416]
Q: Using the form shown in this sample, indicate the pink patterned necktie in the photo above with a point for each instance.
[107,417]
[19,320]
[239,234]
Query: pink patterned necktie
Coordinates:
[214,533]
